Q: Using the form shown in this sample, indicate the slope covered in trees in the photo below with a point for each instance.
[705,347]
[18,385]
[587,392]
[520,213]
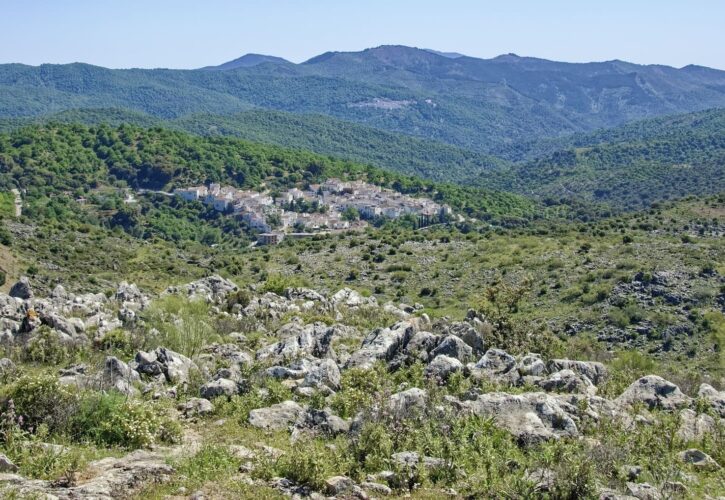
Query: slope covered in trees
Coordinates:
[47,159]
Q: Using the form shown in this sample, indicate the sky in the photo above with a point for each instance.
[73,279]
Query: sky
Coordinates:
[191,34]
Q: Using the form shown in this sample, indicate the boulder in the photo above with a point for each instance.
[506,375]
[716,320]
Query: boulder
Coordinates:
[593,370]
[219,387]
[22,289]
[118,375]
[531,365]
[174,367]
[323,421]
[443,367]
[213,289]
[653,392]
[410,460]
[715,398]
[6,465]
[496,362]
[298,340]
[339,485]
[470,335]
[352,299]
[643,491]
[408,403]
[7,367]
[699,460]
[195,407]
[382,344]
[323,373]
[420,345]
[567,381]
[130,293]
[453,347]
[229,353]
[276,417]
[694,427]
[531,417]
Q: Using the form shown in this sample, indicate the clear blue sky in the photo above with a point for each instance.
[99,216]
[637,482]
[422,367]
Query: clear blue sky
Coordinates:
[194,33]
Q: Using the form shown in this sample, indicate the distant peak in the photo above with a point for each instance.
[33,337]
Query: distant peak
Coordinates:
[248,61]
[508,57]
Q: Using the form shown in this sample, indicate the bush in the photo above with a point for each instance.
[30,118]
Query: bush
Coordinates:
[41,399]
[113,420]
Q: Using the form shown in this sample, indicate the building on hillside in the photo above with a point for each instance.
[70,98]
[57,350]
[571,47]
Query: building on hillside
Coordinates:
[270,238]
[192,193]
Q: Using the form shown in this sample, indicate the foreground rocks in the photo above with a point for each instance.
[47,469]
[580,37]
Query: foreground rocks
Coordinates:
[532,398]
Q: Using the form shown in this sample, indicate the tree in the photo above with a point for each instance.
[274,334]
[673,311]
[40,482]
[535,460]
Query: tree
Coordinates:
[351,214]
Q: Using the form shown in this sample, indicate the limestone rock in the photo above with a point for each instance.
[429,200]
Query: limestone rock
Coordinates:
[22,289]
[531,417]
[643,491]
[694,427]
[443,367]
[276,417]
[699,460]
[715,398]
[453,347]
[6,465]
[382,344]
[567,381]
[219,387]
[593,370]
[653,392]
[195,407]
[408,403]
[531,365]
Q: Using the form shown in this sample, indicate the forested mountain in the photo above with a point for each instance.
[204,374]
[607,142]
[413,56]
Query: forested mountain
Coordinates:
[475,103]
[624,168]
[47,160]
[625,174]
[317,133]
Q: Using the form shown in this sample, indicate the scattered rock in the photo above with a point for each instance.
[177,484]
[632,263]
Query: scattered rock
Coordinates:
[653,392]
[382,344]
[195,407]
[276,417]
[694,427]
[453,347]
[567,381]
[699,460]
[408,403]
[443,367]
[339,485]
[531,365]
[643,491]
[596,372]
[6,465]
[531,417]
[22,289]
[323,373]
[715,398]
[219,387]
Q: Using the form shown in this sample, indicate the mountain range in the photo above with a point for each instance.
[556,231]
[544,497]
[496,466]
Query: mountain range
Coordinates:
[479,104]
[535,127]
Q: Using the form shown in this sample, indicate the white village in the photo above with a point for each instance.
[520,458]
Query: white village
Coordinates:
[331,206]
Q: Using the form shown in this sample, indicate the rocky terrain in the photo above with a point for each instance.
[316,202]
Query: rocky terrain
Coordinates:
[220,391]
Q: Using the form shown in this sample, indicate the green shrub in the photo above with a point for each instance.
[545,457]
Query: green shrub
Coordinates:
[41,399]
[112,420]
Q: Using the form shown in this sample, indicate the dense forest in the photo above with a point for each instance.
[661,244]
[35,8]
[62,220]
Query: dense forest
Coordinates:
[45,160]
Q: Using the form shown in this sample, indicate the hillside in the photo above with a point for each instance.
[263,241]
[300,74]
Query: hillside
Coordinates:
[473,103]
[627,167]
[48,159]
